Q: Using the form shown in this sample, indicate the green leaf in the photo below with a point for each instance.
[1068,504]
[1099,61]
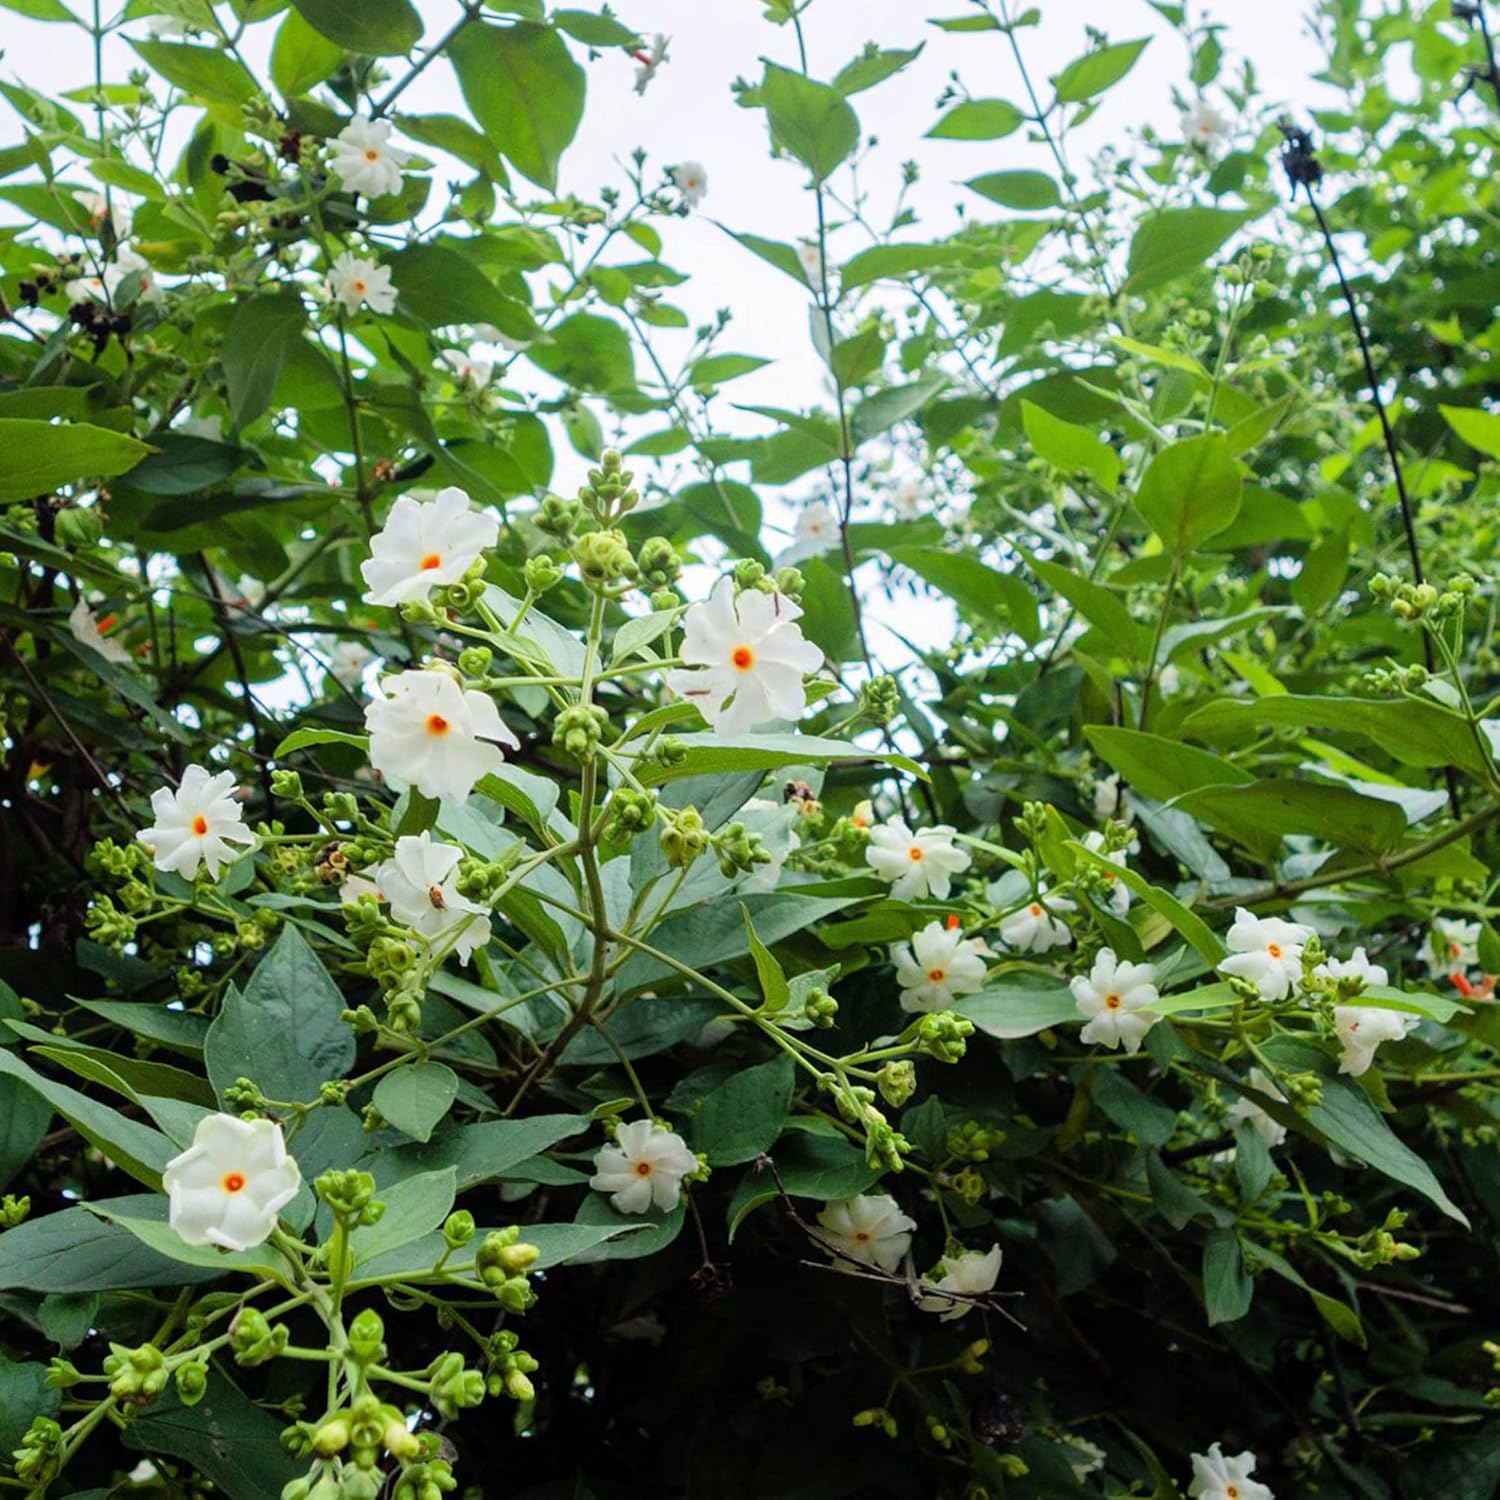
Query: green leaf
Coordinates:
[744,1115]
[525,91]
[24,1394]
[37,457]
[825,1168]
[1023,189]
[183,465]
[1227,1288]
[1160,767]
[440,287]
[809,120]
[1190,927]
[1019,1006]
[374,28]
[414,1099]
[414,1206]
[285,1029]
[1261,813]
[1338,1315]
[204,72]
[262,336]
[1175,241]
[479,1152]
[1479,429]
[639,632]
[1069,448]
[978,120]
[588,352]
[1190,492]
[593,29]
[302,57]
[873,66]
[881,411]
[772,976]
[1096,71]
[894,262]
[1322,574]
[161,1238]
[305,739]
[980,591]
[37,10]
[1100,606]
[710,754]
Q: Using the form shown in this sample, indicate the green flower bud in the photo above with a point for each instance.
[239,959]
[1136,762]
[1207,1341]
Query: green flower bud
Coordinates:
[578,730]
[542,573]
[634,812]
[820,1008]
[453,1387]
[748,572]
[39,1457]
[603,557]
[350,1195]
[897,1082]
[253,1341]
[62,1374]
[192,1381]
[659,563]
[558,517]
[880,699]
[367,1337]
[684,839]
[670,750]
[286,784]
[474,661]
[790,581]
[665,599]
[331,1436]
[13,1210]
[458,1229]
[738,850]
[944,1035]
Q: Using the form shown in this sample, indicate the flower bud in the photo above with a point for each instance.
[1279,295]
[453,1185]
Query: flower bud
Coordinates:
[578,730]
[458,1229]
[542,573]
[366,1337]
[192,1381]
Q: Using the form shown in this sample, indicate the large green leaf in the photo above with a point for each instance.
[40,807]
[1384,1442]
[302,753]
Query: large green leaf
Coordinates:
[809,120]
[978,120]
[1190,492]
[1227,1288]
[1019,1006]
[1096,71]
[1024,189]
[1261,813]
[707,754]
[24,1394]
[414,1099]
[744,1115]
[1177,240]
[302,57]
[478,1152]
[980,591]
[205,72]
[1069,448]
[37,457]
[525,90]
[1160,767]
[589,352]
[439,287]
[262,335]
[377,28]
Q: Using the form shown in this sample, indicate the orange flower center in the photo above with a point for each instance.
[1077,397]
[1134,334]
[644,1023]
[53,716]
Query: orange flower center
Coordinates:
[1274,949]
[359,287]
[200,825]
[233,1182]
[431,561]
[643,1169]
[862,1236]
[1034,909]
[437,724]
[914,853]
[1231,1491]
[937,976]
[743,658]
[1112,1002]
[954,922]
[372,154]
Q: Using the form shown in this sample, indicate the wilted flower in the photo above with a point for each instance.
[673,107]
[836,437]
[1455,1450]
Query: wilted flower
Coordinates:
[1267,951]
[645,1166]
[870,1229]
[938,964]
[691,181]
[1111,996]
[228,1186]
[970,1273]
[363,159]
[86,631]
[917,864]
[421,884]
[650,60]
[196,824]
[426,544]
[356,283]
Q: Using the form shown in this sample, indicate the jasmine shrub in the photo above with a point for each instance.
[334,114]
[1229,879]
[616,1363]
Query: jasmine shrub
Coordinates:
[524,976]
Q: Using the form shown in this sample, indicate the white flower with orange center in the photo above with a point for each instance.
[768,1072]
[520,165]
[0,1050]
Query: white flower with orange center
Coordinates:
[1452,946]
[863,816]
[1110,997]
[1217,1476]
[644,1167]
[1118,893]
[426,544]
[196,824]
[691,180]
[429,732]
[88,631]
[228,1186]
[1203,125]
[1037,926]
[1362,1028]
[1267,951]
[817,528]
[917,864]
[938,965]
[361,283]
[466,369]
[421,883]
[363,159]
[870,1229]
[747,659]
[969,1273]
[113,207]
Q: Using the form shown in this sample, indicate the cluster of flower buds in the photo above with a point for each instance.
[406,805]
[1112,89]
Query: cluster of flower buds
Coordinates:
[943,1035]
[972,1141]
[501,1263]
[13,1210]
[351,1443]
[578,730]
[878,1417]
[253,1340]
[738,851]
[749,574]
[632,812]
[453,1387]
[510,1367]
[897,1082]
[609,490]
[684,838]
[39,1457]
[350,1197]
[136,1376]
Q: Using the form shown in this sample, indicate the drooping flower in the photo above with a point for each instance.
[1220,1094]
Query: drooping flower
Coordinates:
[1203,125]
[1356,966]
[810,258]
[691,180]
[817,527]
[1217,1476]
[426,544]
[747,659]
[86,631]
[357,283]
[363,159]
[114,207]
[465,369]
[1451,945]
[863,816]
[936,966]
[1119,892]
[196,824]
[1270,1130]
[1036,927]
[1267,951]
[1110,996]
[1362,1028]
[421,883]
[870,1229]
[427,731]
[650,59]
[970,1273]
[228,1186]
[917,864]
[645,1166]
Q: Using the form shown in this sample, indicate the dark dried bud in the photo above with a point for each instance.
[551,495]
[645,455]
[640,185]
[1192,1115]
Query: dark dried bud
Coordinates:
[1303,169]
[289,147]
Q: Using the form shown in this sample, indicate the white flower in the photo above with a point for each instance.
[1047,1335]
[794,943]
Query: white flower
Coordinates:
[1362,1028]
[1084,1457]
[197,822]
[1219,1477]
[1111,995]
[1168,681]
[127,264]
[863,816]
[465,369]
[645,1166]
[817,527]
[1356,966]
[1119,892]
[99,207]
[749,654]
[810,258]
[492,335]
[357,283]
[917,864]
[691,181]
[347,660]
[250,592]
[421,883]
[1451,946]
[870,1229]
[363,159]
[650,61]
[86,632]
[360,885]
[1267,951]
[1270,1130]
[210,428]
[908,495]
[426,544]
[427,731]
[970,1272]
[144,1472]
[1203,125]
[227,1187]
[85,289]
[1107,797]
[939,964]
[166,28]
[1036,928]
